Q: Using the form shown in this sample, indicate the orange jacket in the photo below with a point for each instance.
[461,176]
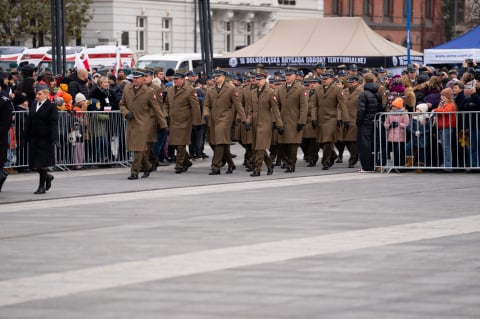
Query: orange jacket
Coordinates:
[447,120]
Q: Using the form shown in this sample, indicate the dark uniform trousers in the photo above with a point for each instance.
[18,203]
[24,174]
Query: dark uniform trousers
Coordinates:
[140,160]
[352,148]
[311,149]
[183,158]
[289,151]
[152,158]
[220,152]
[329,155]
[260,156]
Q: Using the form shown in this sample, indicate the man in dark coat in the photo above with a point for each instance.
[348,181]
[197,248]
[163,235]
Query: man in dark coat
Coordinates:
[369,104]
[41,133]
[6,108]
[79,84]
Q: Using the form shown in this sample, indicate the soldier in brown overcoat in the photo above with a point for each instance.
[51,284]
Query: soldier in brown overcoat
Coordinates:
[351,95]
[309,139]
[264,111]
[331,111]
[183,110]
[136,103]
[293,101]
[220,101]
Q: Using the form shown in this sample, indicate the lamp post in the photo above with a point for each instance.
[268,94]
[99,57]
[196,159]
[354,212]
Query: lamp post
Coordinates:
[57,18]
[205,34]
[408,30]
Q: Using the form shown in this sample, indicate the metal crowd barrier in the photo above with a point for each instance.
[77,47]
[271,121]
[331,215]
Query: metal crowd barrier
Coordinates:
[86,139]
[430,141]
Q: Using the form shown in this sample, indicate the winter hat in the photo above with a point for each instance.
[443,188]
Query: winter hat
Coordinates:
[448,93]
[67,98]
[170,72]
[422,107]
[398,103]
[79,98]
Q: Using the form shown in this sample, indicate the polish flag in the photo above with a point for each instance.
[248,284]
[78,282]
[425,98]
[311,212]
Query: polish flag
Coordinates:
[118,62]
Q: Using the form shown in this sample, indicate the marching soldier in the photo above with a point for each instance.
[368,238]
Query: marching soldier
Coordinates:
[220,100]
[264,111]
[152,134]
[330,107]
[309,140]
[351,95]
[136,103]
[293,100]
[183,110]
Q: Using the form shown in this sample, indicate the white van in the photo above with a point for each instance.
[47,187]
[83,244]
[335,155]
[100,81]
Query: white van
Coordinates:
[178,61]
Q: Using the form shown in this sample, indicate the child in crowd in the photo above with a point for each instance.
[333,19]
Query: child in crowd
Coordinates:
[396,123]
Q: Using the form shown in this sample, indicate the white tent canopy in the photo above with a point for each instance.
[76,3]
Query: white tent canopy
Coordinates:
[336,40]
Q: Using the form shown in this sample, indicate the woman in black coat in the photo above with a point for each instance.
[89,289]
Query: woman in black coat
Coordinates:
[41,133]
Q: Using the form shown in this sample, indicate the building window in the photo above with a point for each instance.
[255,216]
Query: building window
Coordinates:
[428,9]
[141,28]
[227,31]
[366,7]
[248,33]
[125,39]
[166,34]
[335,10]
[287,2]
[387,8]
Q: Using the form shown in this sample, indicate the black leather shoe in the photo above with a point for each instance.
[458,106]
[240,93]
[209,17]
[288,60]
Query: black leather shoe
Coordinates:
[290,170]
[163,163]
[255,174]
[3,178]
[132,177]
[312,164]
[230,169]
[179,170]
[270,171]
[249,169]
[339,159]
[146,173]
[214,172]
[351,166]
[48,182]
[326,167]
[189,164]
[40,190]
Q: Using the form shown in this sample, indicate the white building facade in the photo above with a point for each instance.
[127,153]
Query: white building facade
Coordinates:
[157,26]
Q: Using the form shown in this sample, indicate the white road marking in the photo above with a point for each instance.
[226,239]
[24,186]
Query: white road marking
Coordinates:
[182,191]
[66,283]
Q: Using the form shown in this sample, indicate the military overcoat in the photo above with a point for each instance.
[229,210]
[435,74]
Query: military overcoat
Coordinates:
[219,106]
[183,109]
[330,107]
[293,110]
[263,111]
[351,102]
[140,104]
[309,131]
